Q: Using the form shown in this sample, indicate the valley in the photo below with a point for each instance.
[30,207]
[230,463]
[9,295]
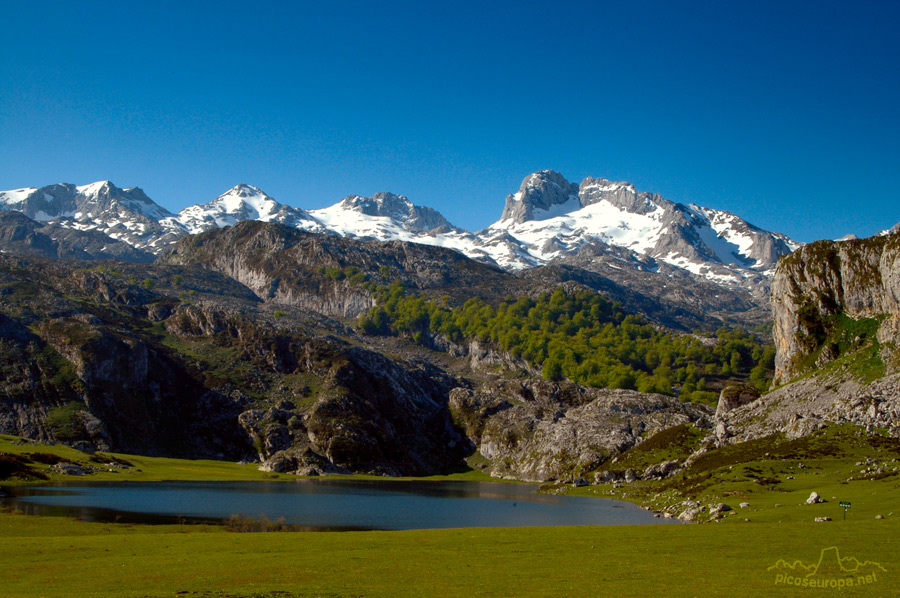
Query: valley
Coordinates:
[590,367]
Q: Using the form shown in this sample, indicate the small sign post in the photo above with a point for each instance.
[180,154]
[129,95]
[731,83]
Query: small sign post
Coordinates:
[845,505]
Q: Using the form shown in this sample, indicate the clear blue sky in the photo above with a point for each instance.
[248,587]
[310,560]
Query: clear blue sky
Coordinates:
[786,113]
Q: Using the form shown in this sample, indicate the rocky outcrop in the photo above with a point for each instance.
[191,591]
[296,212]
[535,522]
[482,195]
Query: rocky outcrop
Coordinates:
[541,431]
[823,293]
[20,234]
[836,307]
[539,193]
[315,272]
[734,396]
[812,403]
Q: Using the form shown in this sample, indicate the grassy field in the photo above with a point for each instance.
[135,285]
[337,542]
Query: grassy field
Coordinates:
[46,556]
[775,476]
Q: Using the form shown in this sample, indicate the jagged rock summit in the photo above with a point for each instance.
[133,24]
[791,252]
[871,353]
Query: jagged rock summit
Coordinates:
[538,196]
[630,236]
[550,218]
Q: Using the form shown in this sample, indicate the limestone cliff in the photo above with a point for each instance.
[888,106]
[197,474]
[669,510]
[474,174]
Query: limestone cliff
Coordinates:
[836,307]
[832,299]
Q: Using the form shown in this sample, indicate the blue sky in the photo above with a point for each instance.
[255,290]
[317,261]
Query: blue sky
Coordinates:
[785,113]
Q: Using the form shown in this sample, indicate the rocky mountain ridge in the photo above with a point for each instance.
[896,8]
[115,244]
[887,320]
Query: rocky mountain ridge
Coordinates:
[126,215]
[549,220]
[549,216]
[21,234]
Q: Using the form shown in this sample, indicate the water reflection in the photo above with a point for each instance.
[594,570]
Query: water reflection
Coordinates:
[327,504]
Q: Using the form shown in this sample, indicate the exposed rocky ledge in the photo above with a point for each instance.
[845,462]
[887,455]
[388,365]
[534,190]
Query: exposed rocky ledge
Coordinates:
[823,280]
[812,403]
[537,430]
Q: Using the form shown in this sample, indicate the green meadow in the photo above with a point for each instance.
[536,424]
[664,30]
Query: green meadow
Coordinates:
[54,556]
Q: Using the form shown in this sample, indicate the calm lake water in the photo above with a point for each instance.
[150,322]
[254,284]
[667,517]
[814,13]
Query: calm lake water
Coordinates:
[328,504]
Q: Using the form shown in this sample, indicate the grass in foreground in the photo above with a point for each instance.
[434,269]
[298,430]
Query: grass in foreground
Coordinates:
[685,560]
[46,556]
[776,476]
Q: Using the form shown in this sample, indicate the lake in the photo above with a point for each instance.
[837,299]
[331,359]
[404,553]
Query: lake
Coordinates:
[328,504]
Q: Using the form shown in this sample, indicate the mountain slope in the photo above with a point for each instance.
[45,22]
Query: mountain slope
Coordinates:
[21,234]
[124,214]
[704,260]
[243,202]
[292,267]
[550,218]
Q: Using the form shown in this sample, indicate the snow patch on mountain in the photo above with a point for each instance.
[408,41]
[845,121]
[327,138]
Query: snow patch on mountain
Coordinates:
[14,197]
[548,219]
[243,202]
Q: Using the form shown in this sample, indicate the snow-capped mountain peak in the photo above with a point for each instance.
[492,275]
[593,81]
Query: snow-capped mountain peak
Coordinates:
[381,204]
[123,214]
[539,197]
[599,223]
[242,202]
[383,216]
[104,195]
[550,218]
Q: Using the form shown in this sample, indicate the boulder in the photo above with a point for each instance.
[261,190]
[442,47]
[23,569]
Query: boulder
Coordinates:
[690,514]
[606,477]
[735,395]
[69,469]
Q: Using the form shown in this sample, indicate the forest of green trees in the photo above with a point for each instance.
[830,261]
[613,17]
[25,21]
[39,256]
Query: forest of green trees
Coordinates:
[583,337]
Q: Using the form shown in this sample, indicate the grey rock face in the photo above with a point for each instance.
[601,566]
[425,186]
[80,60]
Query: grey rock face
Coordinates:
[541,191]
[541,431]
[621,195]
[856,279]
[124,214]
